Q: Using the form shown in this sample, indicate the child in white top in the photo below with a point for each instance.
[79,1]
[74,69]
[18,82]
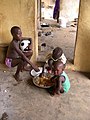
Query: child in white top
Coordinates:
[56,55]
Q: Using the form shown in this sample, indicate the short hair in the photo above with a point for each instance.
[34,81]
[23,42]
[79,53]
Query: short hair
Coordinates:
[56,63]
[57,52]
[14,29]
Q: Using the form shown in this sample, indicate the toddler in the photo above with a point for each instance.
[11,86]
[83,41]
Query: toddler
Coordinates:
[56,55]
[60,78]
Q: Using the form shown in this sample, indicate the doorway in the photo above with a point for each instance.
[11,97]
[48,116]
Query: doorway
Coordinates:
[52,34]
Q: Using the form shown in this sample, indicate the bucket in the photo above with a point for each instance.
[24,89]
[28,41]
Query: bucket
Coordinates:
[63,22]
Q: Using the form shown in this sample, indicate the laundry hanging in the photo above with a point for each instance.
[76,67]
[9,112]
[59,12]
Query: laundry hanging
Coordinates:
[56,9]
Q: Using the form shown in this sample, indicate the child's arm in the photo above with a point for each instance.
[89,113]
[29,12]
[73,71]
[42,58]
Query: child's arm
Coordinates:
[54,78]
[24,57]
[50,63]
[60,87]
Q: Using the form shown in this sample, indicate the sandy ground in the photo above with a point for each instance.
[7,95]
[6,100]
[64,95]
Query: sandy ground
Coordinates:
[25,101]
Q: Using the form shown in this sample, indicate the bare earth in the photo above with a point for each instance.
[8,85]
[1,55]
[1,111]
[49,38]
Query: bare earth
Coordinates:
[25,101]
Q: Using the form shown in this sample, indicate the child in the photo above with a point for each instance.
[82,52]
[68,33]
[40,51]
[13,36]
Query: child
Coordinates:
[60,78]
[15,57]
[57,54]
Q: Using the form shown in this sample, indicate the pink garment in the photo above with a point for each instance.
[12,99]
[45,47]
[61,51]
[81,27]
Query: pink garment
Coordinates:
[8,62]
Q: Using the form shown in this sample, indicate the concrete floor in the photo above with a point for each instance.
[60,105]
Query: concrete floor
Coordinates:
[25,101]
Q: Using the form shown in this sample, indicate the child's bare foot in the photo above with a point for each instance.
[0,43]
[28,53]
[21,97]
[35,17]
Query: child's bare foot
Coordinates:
[51,91]
[58,92]
[52,94]
[17,78]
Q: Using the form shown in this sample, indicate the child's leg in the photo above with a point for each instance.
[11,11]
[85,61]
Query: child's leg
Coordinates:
[26,68]
[28,55]
[59,87]
[19,63]
[51,90]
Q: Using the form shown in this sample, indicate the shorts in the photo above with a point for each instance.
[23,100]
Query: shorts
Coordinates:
[8,62]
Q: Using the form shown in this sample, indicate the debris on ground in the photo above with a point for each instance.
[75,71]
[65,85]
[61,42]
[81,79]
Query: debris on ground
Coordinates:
[48,33]
[4,116]
[44,25]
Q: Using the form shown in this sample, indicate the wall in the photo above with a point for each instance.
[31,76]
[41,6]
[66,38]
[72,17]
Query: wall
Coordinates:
[82,51]
[21,13]
[48,2]
[69,9]
[24,14]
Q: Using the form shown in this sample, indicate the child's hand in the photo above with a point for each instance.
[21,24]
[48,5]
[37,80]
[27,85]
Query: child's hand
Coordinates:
[36,68]
[49,69]
[53,79]
[41,74]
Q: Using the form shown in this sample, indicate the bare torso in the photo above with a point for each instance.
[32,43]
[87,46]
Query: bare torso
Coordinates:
[12,52]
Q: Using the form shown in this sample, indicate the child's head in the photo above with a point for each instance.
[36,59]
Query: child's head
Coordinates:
[16,32]
[56,54]
[58,67]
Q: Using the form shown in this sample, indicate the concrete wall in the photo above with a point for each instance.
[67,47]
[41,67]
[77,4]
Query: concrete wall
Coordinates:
[48,2]
[69,9]
[21,13]
[82,51]
[24,14]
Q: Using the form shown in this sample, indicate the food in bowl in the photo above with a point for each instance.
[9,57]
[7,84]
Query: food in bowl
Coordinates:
[43,81]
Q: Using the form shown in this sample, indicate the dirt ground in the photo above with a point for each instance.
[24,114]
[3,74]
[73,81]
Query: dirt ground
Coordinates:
[54,36]
[25,101]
